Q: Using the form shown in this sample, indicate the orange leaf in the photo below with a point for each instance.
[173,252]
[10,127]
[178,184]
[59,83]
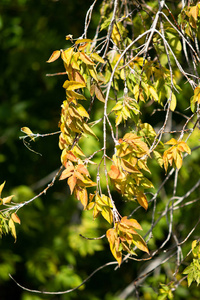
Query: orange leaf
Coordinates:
[15,218]
[82,169]
[72,183]
[82,196]
[54,56]
[115,173]
[67,172]
[131,222]
[70,155]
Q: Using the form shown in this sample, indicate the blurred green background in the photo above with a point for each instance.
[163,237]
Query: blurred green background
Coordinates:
[49,254]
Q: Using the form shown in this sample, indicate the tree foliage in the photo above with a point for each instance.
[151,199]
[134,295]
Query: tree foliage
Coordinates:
[128,135]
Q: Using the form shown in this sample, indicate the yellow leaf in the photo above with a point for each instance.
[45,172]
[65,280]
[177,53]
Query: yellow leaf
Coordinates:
[88,130]
[183,147]
[67,55]
[129,167]
[71,94]
[115,34]
[85,58]
[93,72]
[111,236]
[1,187]
[73,85]
[7,199]
[142,200]
[81,110]
[118,106]
[83,41]
[178,161]
[173,103]
[153,92]
[140,243]
[107,214]
[11,225]
[96,57]
[28,132]
[172,142]
[54,56]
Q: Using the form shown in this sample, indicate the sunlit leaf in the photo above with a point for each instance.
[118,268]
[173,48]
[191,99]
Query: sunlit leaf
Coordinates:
[85,58]
[11,225]
[115,173]
[83,41]
[27,131]
[72,183]
[73,85]
[54,56]
[139,242]
[67,55]
[7,199]
[15,218]
[142,200]
[1,187]
[96,57]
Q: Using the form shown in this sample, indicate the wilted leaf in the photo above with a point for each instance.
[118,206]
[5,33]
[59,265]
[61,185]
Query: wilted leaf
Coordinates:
[99,94]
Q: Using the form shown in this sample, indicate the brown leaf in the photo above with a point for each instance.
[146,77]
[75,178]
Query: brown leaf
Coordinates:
[99,94]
